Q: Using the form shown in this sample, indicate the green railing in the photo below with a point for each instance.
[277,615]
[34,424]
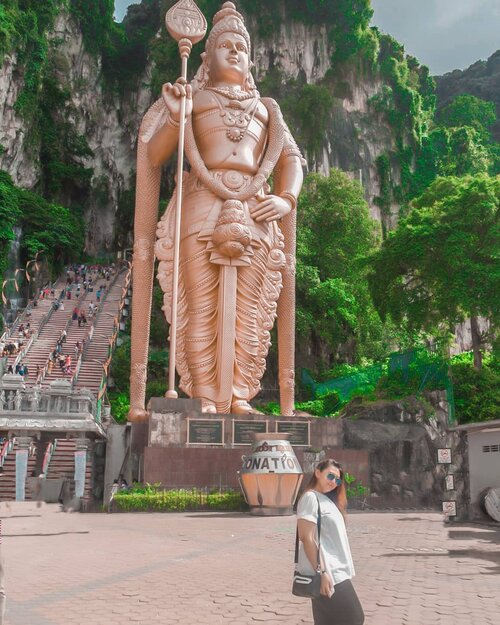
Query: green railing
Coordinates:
[433,374]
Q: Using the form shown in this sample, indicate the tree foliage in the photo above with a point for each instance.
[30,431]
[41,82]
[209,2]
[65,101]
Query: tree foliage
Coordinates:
[441,263]
[468,110]
[459,144]
[47,226]
[334,231]
[477,393]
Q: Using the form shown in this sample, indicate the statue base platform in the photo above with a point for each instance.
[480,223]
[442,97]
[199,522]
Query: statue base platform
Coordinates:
[182,447]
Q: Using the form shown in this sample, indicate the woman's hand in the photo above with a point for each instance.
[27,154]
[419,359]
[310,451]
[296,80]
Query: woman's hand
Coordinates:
[326,588]
[172,94]
[270,208]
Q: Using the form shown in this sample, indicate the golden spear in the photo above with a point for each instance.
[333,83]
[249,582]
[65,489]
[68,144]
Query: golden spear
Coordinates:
[187,25]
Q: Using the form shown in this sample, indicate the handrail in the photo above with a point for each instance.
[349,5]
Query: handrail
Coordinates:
[20,355]
[36,333]
[51,447]
[6,447]
[78,300]
[45,369]
[97,316]
[112,340]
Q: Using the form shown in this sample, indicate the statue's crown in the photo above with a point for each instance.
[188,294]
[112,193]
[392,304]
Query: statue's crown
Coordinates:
[228,19]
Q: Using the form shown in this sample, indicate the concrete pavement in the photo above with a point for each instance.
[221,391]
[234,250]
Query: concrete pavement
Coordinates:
[234,569]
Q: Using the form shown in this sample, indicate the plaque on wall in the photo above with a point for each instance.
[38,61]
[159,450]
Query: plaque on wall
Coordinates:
[444,456]
[450,482]
[450,508]
[299,431]
[205,432]
[243,430]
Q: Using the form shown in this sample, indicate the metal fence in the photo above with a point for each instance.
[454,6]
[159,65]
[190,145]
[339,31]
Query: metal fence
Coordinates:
[430,375]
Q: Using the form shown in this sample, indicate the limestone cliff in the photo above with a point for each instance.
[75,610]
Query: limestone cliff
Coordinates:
[354,133]
[482,79]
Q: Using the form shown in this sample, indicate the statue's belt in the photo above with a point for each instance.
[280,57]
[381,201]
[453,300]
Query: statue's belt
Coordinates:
[232,179]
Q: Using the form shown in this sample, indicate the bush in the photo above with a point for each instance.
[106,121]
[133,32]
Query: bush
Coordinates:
[324,406]
[120,405]
[477,393]
[151,499]
[354,488]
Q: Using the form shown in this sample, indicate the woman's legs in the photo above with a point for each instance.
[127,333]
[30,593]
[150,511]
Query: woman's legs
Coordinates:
[342,608]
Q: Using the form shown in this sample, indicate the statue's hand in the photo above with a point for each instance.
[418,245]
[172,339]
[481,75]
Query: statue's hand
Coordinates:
[172,94]
[270,208]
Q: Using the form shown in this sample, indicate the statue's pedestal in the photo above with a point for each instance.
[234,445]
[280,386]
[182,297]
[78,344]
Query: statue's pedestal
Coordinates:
[181,447]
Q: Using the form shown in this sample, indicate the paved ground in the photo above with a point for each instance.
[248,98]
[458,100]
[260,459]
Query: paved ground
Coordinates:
[211,569]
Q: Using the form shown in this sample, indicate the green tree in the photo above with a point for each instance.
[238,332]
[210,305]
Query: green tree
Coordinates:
[441,263]
[467,110]
[334,231]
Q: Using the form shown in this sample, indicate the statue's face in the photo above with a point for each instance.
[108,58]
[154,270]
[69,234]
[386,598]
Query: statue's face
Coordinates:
[229,60]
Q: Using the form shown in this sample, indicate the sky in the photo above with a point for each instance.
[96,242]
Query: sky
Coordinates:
[442,34]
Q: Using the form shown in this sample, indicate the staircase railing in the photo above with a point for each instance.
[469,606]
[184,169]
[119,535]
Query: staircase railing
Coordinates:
[51,447]
[45,368]
[116,325]
[6,447]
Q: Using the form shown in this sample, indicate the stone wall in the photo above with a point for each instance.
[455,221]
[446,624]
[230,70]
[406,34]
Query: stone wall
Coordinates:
[391,447]
[170,460]
[402,439]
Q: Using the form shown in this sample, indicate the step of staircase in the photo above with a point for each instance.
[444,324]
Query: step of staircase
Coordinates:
[8,477]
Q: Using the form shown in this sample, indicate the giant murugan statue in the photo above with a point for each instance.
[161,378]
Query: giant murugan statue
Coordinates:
[237,236]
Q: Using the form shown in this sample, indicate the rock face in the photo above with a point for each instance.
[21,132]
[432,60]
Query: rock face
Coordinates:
[355,136]
[22,166]
[110,122]
[403,438]
[482,79]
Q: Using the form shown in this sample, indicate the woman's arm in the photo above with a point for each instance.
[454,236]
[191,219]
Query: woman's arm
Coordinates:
[307,535]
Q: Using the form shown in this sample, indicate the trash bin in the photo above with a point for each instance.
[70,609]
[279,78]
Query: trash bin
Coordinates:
[271,476]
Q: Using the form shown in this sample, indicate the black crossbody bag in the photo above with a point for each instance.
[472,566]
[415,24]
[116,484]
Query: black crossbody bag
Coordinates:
[308,585]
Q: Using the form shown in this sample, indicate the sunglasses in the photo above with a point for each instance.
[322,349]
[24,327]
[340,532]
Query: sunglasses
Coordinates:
[331,477]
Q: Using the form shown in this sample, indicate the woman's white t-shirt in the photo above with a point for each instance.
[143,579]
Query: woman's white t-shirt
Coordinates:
[334,542]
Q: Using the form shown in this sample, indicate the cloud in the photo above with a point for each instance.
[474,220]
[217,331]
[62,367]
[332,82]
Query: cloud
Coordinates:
[443,34]
[451,12]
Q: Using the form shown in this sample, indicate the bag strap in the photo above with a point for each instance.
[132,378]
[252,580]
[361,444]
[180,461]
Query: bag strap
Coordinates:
[318,563]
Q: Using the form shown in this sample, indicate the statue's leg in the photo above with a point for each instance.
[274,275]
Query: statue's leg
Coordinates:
[201,279]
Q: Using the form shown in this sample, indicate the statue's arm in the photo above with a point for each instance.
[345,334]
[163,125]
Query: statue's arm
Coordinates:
[158,139]
[288,172]
[288,176]
[146,218]
[162,144]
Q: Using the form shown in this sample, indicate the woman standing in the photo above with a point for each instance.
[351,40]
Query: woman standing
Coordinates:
[338,603]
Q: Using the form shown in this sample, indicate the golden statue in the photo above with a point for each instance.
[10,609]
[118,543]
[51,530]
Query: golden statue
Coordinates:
[237,236]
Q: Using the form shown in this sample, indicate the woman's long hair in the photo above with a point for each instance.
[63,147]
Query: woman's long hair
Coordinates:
[337,495]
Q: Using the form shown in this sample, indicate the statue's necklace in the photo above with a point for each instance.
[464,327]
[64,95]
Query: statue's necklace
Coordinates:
[231,94]
[236,116]
[273,152]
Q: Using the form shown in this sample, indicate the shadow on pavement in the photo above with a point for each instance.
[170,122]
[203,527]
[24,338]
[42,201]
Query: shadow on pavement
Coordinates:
[220,515]
[476,554]
[44,534]
[491,535]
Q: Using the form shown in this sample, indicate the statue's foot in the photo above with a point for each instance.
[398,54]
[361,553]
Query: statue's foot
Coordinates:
[208,406]
[241,406]
[138,415]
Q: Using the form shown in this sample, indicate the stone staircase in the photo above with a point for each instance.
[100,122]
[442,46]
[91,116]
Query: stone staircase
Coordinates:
[8,477]
[36,319]
[62,463]
[96,353]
